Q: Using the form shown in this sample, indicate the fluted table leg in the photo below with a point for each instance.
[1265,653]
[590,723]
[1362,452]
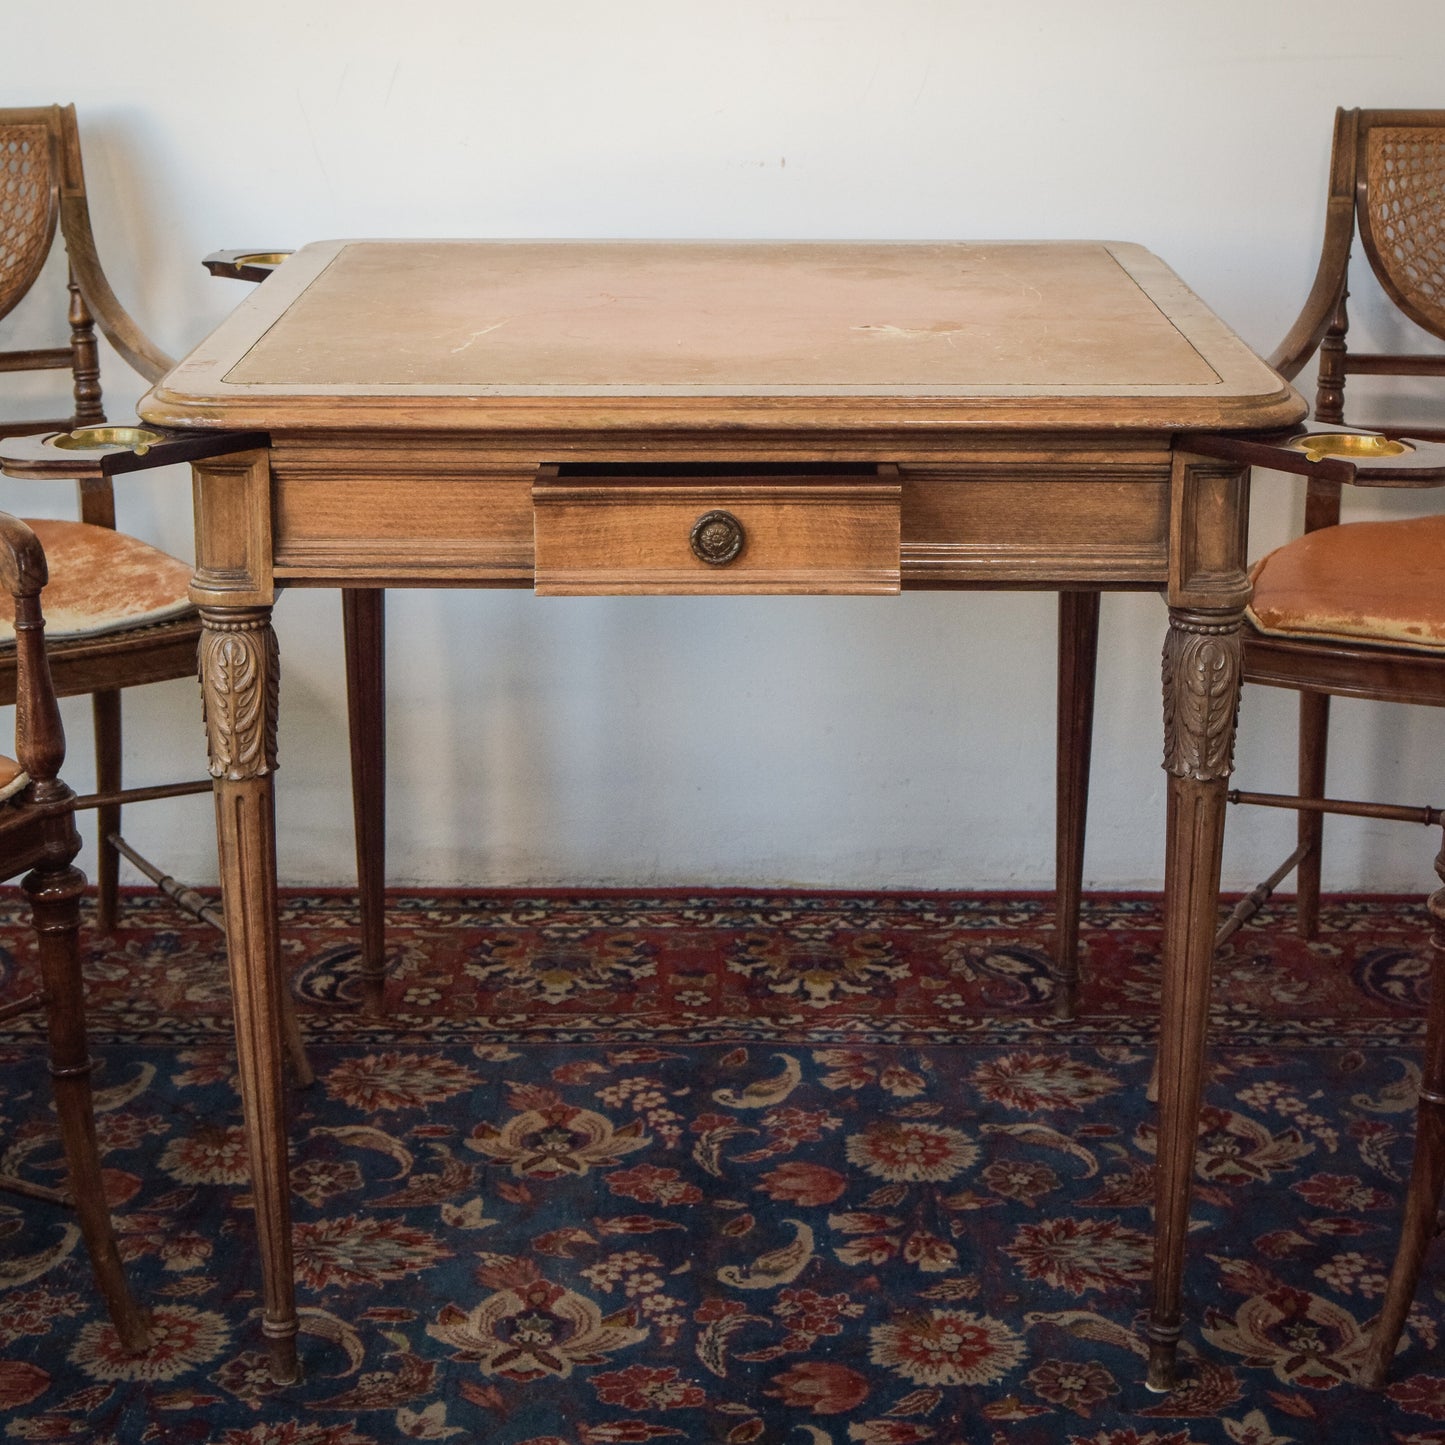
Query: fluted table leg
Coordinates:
[239,680]
[1203,656]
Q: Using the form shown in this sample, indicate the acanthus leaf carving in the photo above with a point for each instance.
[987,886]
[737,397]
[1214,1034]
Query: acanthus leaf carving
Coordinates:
[1202,669]
[240,686]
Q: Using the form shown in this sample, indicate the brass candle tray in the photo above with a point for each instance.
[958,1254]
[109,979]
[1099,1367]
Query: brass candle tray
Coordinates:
[253,265]
[137,439]
[1331,454]
[1354,445]
[107,451]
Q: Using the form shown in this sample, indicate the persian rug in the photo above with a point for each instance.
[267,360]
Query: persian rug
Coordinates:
[736,1167]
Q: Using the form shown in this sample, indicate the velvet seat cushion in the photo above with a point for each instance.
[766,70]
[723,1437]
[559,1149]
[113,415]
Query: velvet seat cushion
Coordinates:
[1380,583]
[101,581]
[12,778]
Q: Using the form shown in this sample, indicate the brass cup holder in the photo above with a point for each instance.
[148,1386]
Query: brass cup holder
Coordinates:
[135,439]
[1352,446]
[261,258]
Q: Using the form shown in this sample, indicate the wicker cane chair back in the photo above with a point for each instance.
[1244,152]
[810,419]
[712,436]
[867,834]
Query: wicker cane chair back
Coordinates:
[29,207]
[1353,608]
[42,204]
[1401,208]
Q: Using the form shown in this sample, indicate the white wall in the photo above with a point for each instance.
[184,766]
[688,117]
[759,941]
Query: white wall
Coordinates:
[851,741]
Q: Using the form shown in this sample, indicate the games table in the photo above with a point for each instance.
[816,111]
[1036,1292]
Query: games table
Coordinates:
[700,417]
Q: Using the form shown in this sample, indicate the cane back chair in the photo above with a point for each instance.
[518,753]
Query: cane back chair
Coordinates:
[1353,609]
[38,839]
[120,614]
[1357,608]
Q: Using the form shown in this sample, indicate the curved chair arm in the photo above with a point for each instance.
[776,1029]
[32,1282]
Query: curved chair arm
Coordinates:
[1304,337]
[22,562]
[246,265]
[115,322]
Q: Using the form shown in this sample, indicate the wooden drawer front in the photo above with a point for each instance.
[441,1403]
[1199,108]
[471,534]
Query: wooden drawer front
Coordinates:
[601,531]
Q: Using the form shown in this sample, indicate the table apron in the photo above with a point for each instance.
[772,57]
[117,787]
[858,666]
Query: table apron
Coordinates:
[1043,520]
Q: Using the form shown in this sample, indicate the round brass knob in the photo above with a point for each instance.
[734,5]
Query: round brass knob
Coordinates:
[716,538]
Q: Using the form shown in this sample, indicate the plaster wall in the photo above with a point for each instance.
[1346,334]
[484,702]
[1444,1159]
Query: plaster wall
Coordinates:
[849,742]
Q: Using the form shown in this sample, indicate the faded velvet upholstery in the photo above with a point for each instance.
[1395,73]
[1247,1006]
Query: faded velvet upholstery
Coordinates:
[102,581]
[12,778]
[1362,582]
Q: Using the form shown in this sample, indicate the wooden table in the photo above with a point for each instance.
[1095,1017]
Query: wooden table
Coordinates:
[698,417]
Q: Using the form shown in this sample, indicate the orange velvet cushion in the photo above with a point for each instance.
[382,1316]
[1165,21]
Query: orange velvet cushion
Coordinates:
[101,581]
[1362,582]
[12,778]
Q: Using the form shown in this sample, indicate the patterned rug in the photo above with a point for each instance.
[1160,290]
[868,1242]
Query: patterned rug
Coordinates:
[731,1167]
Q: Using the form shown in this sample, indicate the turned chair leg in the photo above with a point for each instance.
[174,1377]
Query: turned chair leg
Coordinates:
[1427,1172]
[105,714]
[364,622]
[1078,654]
[55,904]
[1314,723]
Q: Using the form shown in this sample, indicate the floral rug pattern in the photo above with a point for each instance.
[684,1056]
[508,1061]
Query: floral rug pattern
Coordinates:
[812,1168]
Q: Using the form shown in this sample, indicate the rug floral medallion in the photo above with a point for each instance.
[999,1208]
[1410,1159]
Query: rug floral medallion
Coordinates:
[812,1168]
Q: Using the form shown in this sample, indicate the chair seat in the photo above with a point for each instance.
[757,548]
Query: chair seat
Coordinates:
[1361,582]
[12,778]
[102,581]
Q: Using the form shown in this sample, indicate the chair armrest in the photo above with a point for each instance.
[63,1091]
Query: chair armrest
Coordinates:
[1304,337]
[115,322]
[252,265]
[109,451]
[39,736]
[22,561]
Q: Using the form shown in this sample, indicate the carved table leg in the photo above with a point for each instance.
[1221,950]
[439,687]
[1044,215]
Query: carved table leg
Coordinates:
[239,680]
[1078,654]
[1203,656]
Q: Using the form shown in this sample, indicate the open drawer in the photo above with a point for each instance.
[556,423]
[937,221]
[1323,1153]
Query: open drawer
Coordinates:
[608,529]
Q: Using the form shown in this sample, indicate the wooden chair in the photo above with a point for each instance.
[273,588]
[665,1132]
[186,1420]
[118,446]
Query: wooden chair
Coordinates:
[120,613]
[104,637]
[38,838]
[1354,609]
[1357,609]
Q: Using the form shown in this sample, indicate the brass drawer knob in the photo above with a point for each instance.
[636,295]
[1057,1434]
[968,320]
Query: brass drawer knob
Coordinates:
[716,538]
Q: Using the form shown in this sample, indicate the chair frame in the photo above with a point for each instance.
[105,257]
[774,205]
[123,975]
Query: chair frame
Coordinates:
[1316,671]
[1384,673]
[99,666]
[1319,671]
[103,666]
[38,838]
